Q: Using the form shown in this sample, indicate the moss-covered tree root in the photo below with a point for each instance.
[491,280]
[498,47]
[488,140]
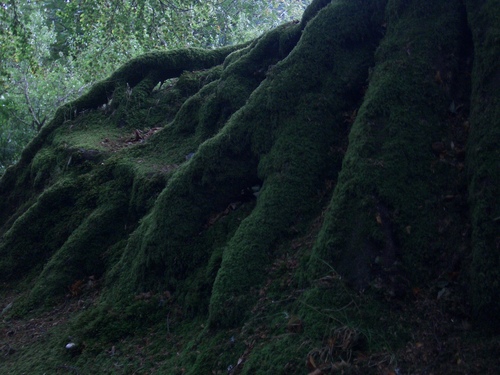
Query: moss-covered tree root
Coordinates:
[321,180]
[483,155]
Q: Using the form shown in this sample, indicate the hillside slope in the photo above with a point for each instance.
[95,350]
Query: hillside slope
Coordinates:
[322,199]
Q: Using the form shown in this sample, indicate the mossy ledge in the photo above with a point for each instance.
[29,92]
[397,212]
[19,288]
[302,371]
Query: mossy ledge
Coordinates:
[301,198]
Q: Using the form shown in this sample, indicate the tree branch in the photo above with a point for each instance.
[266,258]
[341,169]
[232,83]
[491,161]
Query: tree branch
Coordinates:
[36,120]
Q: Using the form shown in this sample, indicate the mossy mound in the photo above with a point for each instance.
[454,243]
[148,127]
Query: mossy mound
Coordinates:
[266,205]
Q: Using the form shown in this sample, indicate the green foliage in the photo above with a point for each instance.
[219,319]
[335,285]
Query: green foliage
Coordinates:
[33,87]
[191,184]
[53,50]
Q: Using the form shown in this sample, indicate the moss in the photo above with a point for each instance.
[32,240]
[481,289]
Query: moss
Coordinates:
[285,170]
[383,207]
[221,205]
[149,69]
[166,242]
[79,149]
[209,110]
[82,254]
[35,236]
[207,186]
[145,190]
[279,356]
[312,10]
[482,161]
[42,168]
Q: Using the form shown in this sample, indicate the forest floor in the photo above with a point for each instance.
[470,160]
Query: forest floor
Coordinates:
[444,340]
